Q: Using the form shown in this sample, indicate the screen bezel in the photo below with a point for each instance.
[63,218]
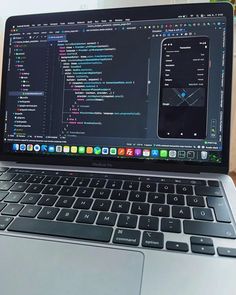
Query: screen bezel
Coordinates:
[147,12]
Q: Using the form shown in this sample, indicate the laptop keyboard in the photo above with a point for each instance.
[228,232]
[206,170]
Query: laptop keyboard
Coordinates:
[116,209]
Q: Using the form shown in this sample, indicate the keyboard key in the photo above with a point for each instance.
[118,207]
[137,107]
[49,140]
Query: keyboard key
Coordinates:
[30,211]
[81,182]
[84,192]
[166,188]
[67,191]
[5,185]
[3,195]
[126,220]
[48,213]
[119,195]
[140,208]
[12,209]
[35,179]
[148,223]
[67,215]
[83,203]
[156,198]
[219,230]
[115,184]
[175,199]
[152,239]
[51,189]
[177,246]
[208,191]
[181,212]
[65,202]
[50,180]
[66,181]
[97,183]
[195,201]
[19,187]
[5,221]
[35,188]
[170,225]
[2,205]
[21,177]
[86,217]
[48,200]
[62,229]
[120,206]
[202,214]
[3,169]
[137,196]
[14,197]
[131,185]
[203,249]
[160,210]
[31,199]
[213,183]
[201,241]
[227,252]
[7,176]
[102,193]
[127,237]
[184,189]
[101,205]
[106,219]
[148,186]
[220,208]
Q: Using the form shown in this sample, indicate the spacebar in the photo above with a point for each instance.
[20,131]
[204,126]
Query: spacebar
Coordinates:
[61,229]
[220,230]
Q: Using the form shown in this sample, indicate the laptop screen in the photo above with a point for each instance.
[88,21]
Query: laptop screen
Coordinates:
[116,87]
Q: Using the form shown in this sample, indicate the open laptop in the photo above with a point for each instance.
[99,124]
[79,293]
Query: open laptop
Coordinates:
[115,151]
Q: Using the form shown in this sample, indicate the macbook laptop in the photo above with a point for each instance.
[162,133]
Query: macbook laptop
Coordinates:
[115,128]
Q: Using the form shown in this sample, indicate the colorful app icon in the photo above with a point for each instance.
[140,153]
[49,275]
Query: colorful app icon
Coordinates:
[51,149]
[15,147]
[37,148]
[81,149]
[181,154]
[30,147]
[113,151]
[129,152]
[204,155]
[138,152]
[121,151]
[66,149]
[105,150]
[172,154]
[163,153]
[58,148]
[97,150]
[155,153]
[146,153]
[89,150]
[44,148]
[73,149]
[22,147]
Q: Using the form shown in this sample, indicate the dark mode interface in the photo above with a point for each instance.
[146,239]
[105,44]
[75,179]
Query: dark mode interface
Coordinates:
[117,88]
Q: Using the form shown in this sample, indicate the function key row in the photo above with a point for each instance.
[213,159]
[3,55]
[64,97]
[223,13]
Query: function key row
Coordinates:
[115,176]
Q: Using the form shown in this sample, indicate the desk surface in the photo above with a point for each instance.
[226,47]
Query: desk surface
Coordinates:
[233,175]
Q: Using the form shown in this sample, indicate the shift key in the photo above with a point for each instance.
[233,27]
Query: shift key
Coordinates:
[219,230]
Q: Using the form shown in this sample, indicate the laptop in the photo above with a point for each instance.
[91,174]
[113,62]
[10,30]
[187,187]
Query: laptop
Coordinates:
[115,128]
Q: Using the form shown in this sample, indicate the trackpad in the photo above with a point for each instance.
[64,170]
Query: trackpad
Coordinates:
[36,267]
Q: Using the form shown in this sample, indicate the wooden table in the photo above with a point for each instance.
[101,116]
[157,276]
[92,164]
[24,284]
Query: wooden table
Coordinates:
[233,175]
